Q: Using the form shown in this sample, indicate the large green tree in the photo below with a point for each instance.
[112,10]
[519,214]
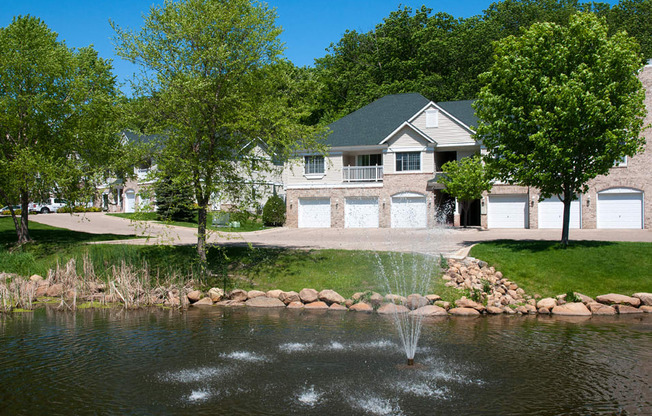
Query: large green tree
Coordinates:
[466,180]
[214,82]
[57,113]
[560,105]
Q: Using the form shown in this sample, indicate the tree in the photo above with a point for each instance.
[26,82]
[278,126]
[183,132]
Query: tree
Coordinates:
[274,211]
[466,180]
[214,81]
[173,200]
[57,108]
[560,105]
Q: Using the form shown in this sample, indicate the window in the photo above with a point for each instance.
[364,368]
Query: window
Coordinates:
[432,118]
[370,160]
[406,161]
[621,163]
[314,165]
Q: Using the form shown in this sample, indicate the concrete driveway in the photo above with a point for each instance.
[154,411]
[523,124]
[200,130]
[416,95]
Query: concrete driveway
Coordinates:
[447,241]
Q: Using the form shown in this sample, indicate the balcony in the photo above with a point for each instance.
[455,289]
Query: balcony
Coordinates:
[362,174]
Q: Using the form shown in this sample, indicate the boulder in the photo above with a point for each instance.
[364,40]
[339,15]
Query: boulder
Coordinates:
[391,308]
[429,310]
[361,307]
[330,297]
[309,295]
[55,290]
[464,312]
[615,299]
[289,297]
[348,303]
[252,294]
[295,305]
[571,309]
[216,294]
[509,310]
[41,288]
[238,295]
[357,296]
[544,311]
[494,310]
[646,298]
[585,299]
[316,305]
[521,309]
[601,309]
[194,296]
[443,304]
[274,293]
[171,301]
[547,303]
[376,299]
[433,298]
[35,278]
[264,302]
[230,303]
[531,310]
[463,302]
[337,307]
[626,309]
[396,299]
[415,301]
[203,302]
[646,308]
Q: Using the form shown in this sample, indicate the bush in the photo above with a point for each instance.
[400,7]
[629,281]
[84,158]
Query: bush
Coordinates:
[274,211]
[79,208]
[16,211]
[174,202]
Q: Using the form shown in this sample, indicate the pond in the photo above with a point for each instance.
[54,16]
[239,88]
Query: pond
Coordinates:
[277,362]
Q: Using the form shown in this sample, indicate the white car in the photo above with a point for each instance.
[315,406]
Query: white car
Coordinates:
[49,205]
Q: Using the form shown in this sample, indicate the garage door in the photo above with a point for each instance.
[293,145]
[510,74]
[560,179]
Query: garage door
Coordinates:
[620,208]
[314,212]
[409,211]
[130,201]
[507,211]
[361,213]
[551,213]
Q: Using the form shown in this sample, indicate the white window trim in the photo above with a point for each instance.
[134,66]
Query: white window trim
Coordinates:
[317,175]
[420,170]
[432,118]
[622,163]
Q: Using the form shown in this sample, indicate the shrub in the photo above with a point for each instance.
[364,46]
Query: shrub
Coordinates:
[16,211]
[79,208]
[274,211]
[174,201]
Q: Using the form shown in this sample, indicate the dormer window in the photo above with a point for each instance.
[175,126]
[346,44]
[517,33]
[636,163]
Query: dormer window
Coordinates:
[432,117]
[314,165]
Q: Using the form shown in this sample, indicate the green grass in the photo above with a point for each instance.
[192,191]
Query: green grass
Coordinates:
[589,267]
[245,226]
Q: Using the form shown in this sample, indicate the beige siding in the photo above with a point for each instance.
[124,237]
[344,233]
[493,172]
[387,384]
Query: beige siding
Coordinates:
[447,133]
[294,172]
[406,137]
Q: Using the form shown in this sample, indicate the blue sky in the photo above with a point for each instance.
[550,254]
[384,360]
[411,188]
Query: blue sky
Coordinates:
[310,26]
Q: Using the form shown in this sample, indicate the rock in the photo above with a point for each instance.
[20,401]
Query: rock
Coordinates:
[357,296]
[35,278]
[230,303]
[433,298]
[493,310]
[415,301]
[544,311]
[194,296]
[274,293]
[547,303]
[252,294]
[463,302]
[337,307]
[646,308]
[55,290]
[216,294]
[203,302]
[361,307]
[295,305]
[316,305]
[585,299]
[443,304]
[429,310]
[615,299]
[513,286]
[396,299]
[376,299]
[646,298]
[464,312]
[532,302]
[508,310]
[289,297]
[571,309]
[171,301]
[391,308]
[348,303]
[521,309]
[264,302]
[531,310]
[626,309]
[238,295]
[601,309]
[330,297]
[41,288]
[309,295]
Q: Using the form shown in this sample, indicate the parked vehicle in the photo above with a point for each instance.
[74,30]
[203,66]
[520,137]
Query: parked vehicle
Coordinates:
[6,209]
[48,206]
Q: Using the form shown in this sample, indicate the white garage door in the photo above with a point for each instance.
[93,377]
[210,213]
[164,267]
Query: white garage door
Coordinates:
[361,213]
[130,202]
[551,213]
[409,211]
[620,208]
[314,212]
[507,211]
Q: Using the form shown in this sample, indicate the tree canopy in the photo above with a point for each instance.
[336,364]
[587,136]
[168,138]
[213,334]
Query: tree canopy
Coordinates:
[560,105]
[57,118]
[466,180]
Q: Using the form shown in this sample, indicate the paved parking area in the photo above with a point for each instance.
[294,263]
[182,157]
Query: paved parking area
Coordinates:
[447,241]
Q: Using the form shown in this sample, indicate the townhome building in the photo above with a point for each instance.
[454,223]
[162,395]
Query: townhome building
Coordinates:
[383,169]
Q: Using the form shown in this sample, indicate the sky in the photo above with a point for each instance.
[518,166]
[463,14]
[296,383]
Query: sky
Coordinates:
[309,26]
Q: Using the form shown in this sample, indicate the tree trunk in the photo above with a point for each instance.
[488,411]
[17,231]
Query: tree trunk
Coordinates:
[566,221]
[22,227]
[201,232]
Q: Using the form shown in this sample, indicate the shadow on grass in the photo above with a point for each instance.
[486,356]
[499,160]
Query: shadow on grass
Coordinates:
[535,246]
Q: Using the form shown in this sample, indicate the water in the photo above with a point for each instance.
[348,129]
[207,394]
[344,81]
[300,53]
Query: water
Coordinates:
[278,362]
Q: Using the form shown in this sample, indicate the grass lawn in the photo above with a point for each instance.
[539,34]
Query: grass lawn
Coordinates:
[245,226]
[244,267]
[589,267]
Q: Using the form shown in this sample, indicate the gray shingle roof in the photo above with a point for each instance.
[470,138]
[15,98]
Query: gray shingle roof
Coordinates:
[372,123]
